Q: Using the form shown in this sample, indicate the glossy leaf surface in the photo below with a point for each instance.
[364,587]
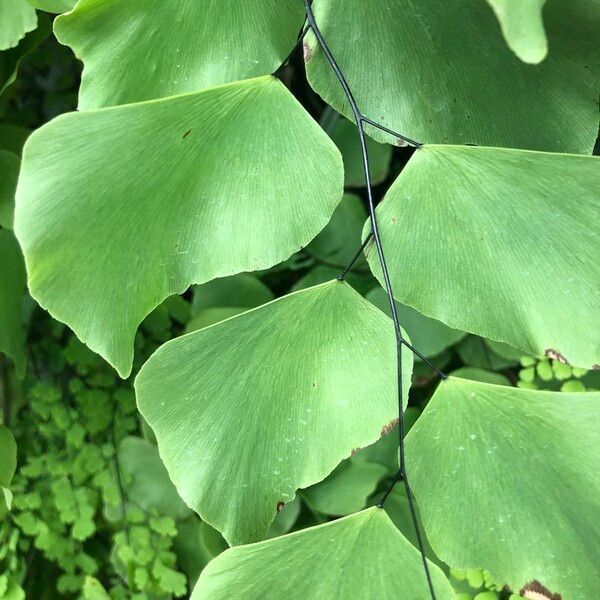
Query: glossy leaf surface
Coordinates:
[440,72]
[248,410]
[138,202]
[143,49]
[507,479]
[360,556]
[506,242]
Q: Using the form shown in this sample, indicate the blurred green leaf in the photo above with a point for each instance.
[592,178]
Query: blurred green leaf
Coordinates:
[523,28]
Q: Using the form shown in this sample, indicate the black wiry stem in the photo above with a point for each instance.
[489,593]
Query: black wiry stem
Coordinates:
[360,120]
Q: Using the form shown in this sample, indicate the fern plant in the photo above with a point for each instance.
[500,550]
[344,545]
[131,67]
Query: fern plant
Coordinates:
[343,256]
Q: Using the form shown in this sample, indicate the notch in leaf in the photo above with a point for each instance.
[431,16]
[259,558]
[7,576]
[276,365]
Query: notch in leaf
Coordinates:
[361,556]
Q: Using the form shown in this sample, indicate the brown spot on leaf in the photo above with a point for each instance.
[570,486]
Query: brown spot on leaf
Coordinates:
[556,355]
[307,52]
[387,428]
[187,133]
[280,505]
[355,451]
[314,384]
[534,590]
[401,143]
[596,367]
[394,219]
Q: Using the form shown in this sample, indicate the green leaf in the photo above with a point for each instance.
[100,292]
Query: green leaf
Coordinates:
[523,27]
[101,265]
[236,291]
[505,351]
[12,290]
[474,351]
[17,18]
[506,479]
[53,6]
[241,424]
[337,244]
[10,59]
[9,173]
[360,556]
[285,519]
[427,335]
[505,241]
[476,374]
[385,450]
[440,72]
[8,466]
[166,50]
[169,580]
[147,481]
[346,490]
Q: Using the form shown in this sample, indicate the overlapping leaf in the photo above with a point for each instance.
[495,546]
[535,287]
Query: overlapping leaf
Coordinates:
[346,490]
[428,336]
[523,27]
[508,479]
[248,410]
[336,245]
[17,17]
[506,242]
[237,291]
[361,556]
[10,59]
[345,135]
[53,6]
[138,202]
[144,49]
[147,482]
[440,72]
